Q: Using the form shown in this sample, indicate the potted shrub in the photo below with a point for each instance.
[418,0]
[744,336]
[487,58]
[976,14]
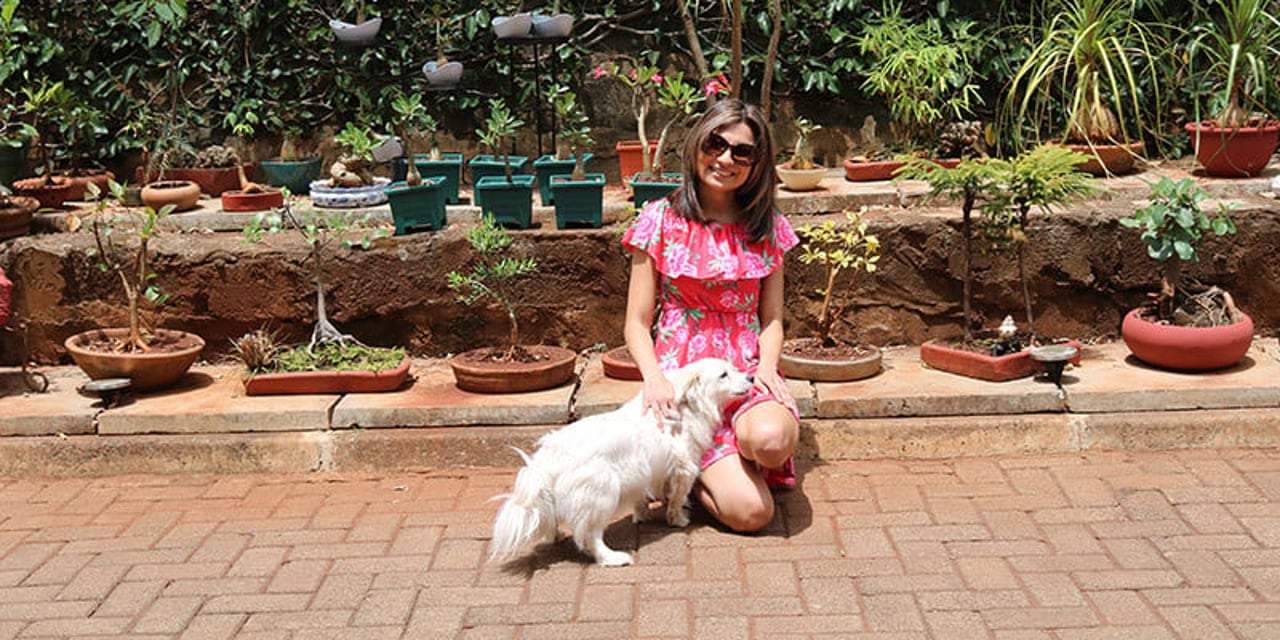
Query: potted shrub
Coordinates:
[332,362]
[682,100]
[45,105]
[508,198]
[441,72]
[293,168]
[15,134]
[250,196]
[498,163]
[567,157]
[351,182]
[158,135]
[1088,63]
[1234,52]
[800,173]
[81,126]
[152,358]
[823,357]
[1183,328]
[416,203]
[924,71]
[634,156]
[515,367]
[578,195]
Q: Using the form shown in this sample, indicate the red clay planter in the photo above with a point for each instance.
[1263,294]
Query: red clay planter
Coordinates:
[238,200]
[1234,153]
[943,357]
[321,382]
[1186,348]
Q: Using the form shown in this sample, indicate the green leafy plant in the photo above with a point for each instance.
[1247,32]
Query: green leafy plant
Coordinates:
[1173,225]
[498,129]
[643,80]
[46,105]
[575,131]
[129,259]
[354,165]
[411,117]
[838,248]
[493,275]
[802,153]
[682,100]
[1234,51]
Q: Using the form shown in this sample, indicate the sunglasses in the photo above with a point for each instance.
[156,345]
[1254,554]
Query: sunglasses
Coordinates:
[742,154]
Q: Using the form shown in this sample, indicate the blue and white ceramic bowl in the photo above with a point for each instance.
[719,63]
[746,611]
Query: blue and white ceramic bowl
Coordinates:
[325,196]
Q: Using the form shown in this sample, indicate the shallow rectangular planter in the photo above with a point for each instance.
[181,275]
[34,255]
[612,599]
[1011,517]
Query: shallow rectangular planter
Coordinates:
[939,355]
[418,208]
[646,190]
[578,202]
[546,166]
[319,382]
[449,167]
[483,166]
[510,203]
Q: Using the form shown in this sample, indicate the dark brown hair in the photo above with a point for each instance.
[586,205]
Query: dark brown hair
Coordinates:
[756,196]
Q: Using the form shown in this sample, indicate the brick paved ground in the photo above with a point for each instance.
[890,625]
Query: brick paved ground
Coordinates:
[1124,545]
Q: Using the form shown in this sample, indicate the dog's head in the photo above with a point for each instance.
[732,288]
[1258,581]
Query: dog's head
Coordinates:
[709,384]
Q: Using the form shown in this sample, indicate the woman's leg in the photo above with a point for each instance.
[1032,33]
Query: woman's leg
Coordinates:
[732,488]
[767,434]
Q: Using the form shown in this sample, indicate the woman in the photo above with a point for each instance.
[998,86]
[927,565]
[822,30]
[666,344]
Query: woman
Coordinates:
[708,261]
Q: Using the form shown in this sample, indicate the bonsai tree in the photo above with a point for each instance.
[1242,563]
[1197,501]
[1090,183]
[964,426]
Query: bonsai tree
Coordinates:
[682,99]
[1173,226]
[802,154]
[1042,178]
[353,166]
[129,262]
[493,276]
[46,105]
[1233,52]
[643,80]
[498,129]
[411,117]
[837,248]
[575,132]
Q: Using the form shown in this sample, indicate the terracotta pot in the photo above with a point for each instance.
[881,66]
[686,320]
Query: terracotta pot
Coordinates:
[554,368]
[1108,159]
[883,169]
[15,220]
[800,179]
[82,178]
[307,382]
[941,355]
[212,181]
[182,194]
[630,161]
[240,201]
[172,354]
[1186,348]
[618,364]
[51,196]
[820,370]
[1234,153]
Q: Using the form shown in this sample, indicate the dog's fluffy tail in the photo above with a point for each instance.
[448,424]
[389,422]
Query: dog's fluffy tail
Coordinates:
[527,514]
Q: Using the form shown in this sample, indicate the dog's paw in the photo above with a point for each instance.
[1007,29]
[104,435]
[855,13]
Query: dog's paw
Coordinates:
[678,518]
[614,559]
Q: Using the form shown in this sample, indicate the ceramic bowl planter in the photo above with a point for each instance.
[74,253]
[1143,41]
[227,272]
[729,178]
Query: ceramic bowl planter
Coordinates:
[449,167]
[50,195]
[417,208]
[296,175]
[485,165]
[800,179]
[944,355]
[510,203]
[517,26]
[645,188]
[445,75]
[619,365]
[240,201]
[557,26]
[869,171]
[182,194]
[821,369]
[327,382]
[475,372]
[212,180]
[630,161]
[330,197]
[1108,159]
[15,219]
[1234,153]
[579,202]
[356,34]
[545,167]
[1186,348]
[172,354]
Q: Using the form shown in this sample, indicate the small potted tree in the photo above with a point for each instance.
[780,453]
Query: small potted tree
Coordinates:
[437,163]
[642,81]
[45,105]
[515,367]
[566,158]
[1184,327]
[152,358]
[351,182]
[823,357]
[499,162]
[416,203]
[251,196]
[507,197]
[800,173]
[441,72]
[332,362]
[578,195]
[682,100]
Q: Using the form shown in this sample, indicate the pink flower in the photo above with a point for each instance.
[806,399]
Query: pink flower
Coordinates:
[657,78]
[716,86]
[634,74]
[599,72]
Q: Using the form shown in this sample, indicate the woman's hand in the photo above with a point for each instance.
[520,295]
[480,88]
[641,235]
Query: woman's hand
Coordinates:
[769,380]
[659,397]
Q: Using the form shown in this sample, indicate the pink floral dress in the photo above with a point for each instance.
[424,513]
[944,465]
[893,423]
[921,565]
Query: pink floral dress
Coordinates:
[709,299]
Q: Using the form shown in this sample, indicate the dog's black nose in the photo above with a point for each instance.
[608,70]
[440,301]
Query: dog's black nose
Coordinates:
[751,379]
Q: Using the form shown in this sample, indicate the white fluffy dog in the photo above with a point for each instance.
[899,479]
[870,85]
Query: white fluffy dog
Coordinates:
[581,475]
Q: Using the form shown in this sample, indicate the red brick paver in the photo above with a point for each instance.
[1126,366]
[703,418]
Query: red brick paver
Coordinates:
[1158,545]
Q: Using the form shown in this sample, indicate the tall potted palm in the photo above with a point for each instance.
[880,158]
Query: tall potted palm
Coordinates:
[1234,51]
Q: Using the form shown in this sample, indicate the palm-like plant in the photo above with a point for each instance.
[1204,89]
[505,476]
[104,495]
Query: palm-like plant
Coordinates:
[1235,50]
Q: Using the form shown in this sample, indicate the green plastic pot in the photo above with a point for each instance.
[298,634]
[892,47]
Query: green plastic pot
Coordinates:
[296,175]
[449,167]
[418,208]
[645,190]
[510,203]
[546,166]
[578,202]
[483,166]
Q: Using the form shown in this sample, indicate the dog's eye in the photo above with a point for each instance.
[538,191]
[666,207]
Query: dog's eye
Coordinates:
[725,374]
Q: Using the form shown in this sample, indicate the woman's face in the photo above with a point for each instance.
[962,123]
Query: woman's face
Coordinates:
[726,157]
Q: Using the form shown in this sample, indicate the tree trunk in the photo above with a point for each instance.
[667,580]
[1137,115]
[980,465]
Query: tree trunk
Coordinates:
[735,49]
[770,59]
[695,45]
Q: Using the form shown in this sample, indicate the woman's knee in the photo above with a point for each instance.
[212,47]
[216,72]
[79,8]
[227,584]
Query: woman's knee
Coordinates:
[747,514]
[768,441]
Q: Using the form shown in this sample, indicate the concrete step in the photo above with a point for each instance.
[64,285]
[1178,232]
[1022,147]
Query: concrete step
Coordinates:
[208,424]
